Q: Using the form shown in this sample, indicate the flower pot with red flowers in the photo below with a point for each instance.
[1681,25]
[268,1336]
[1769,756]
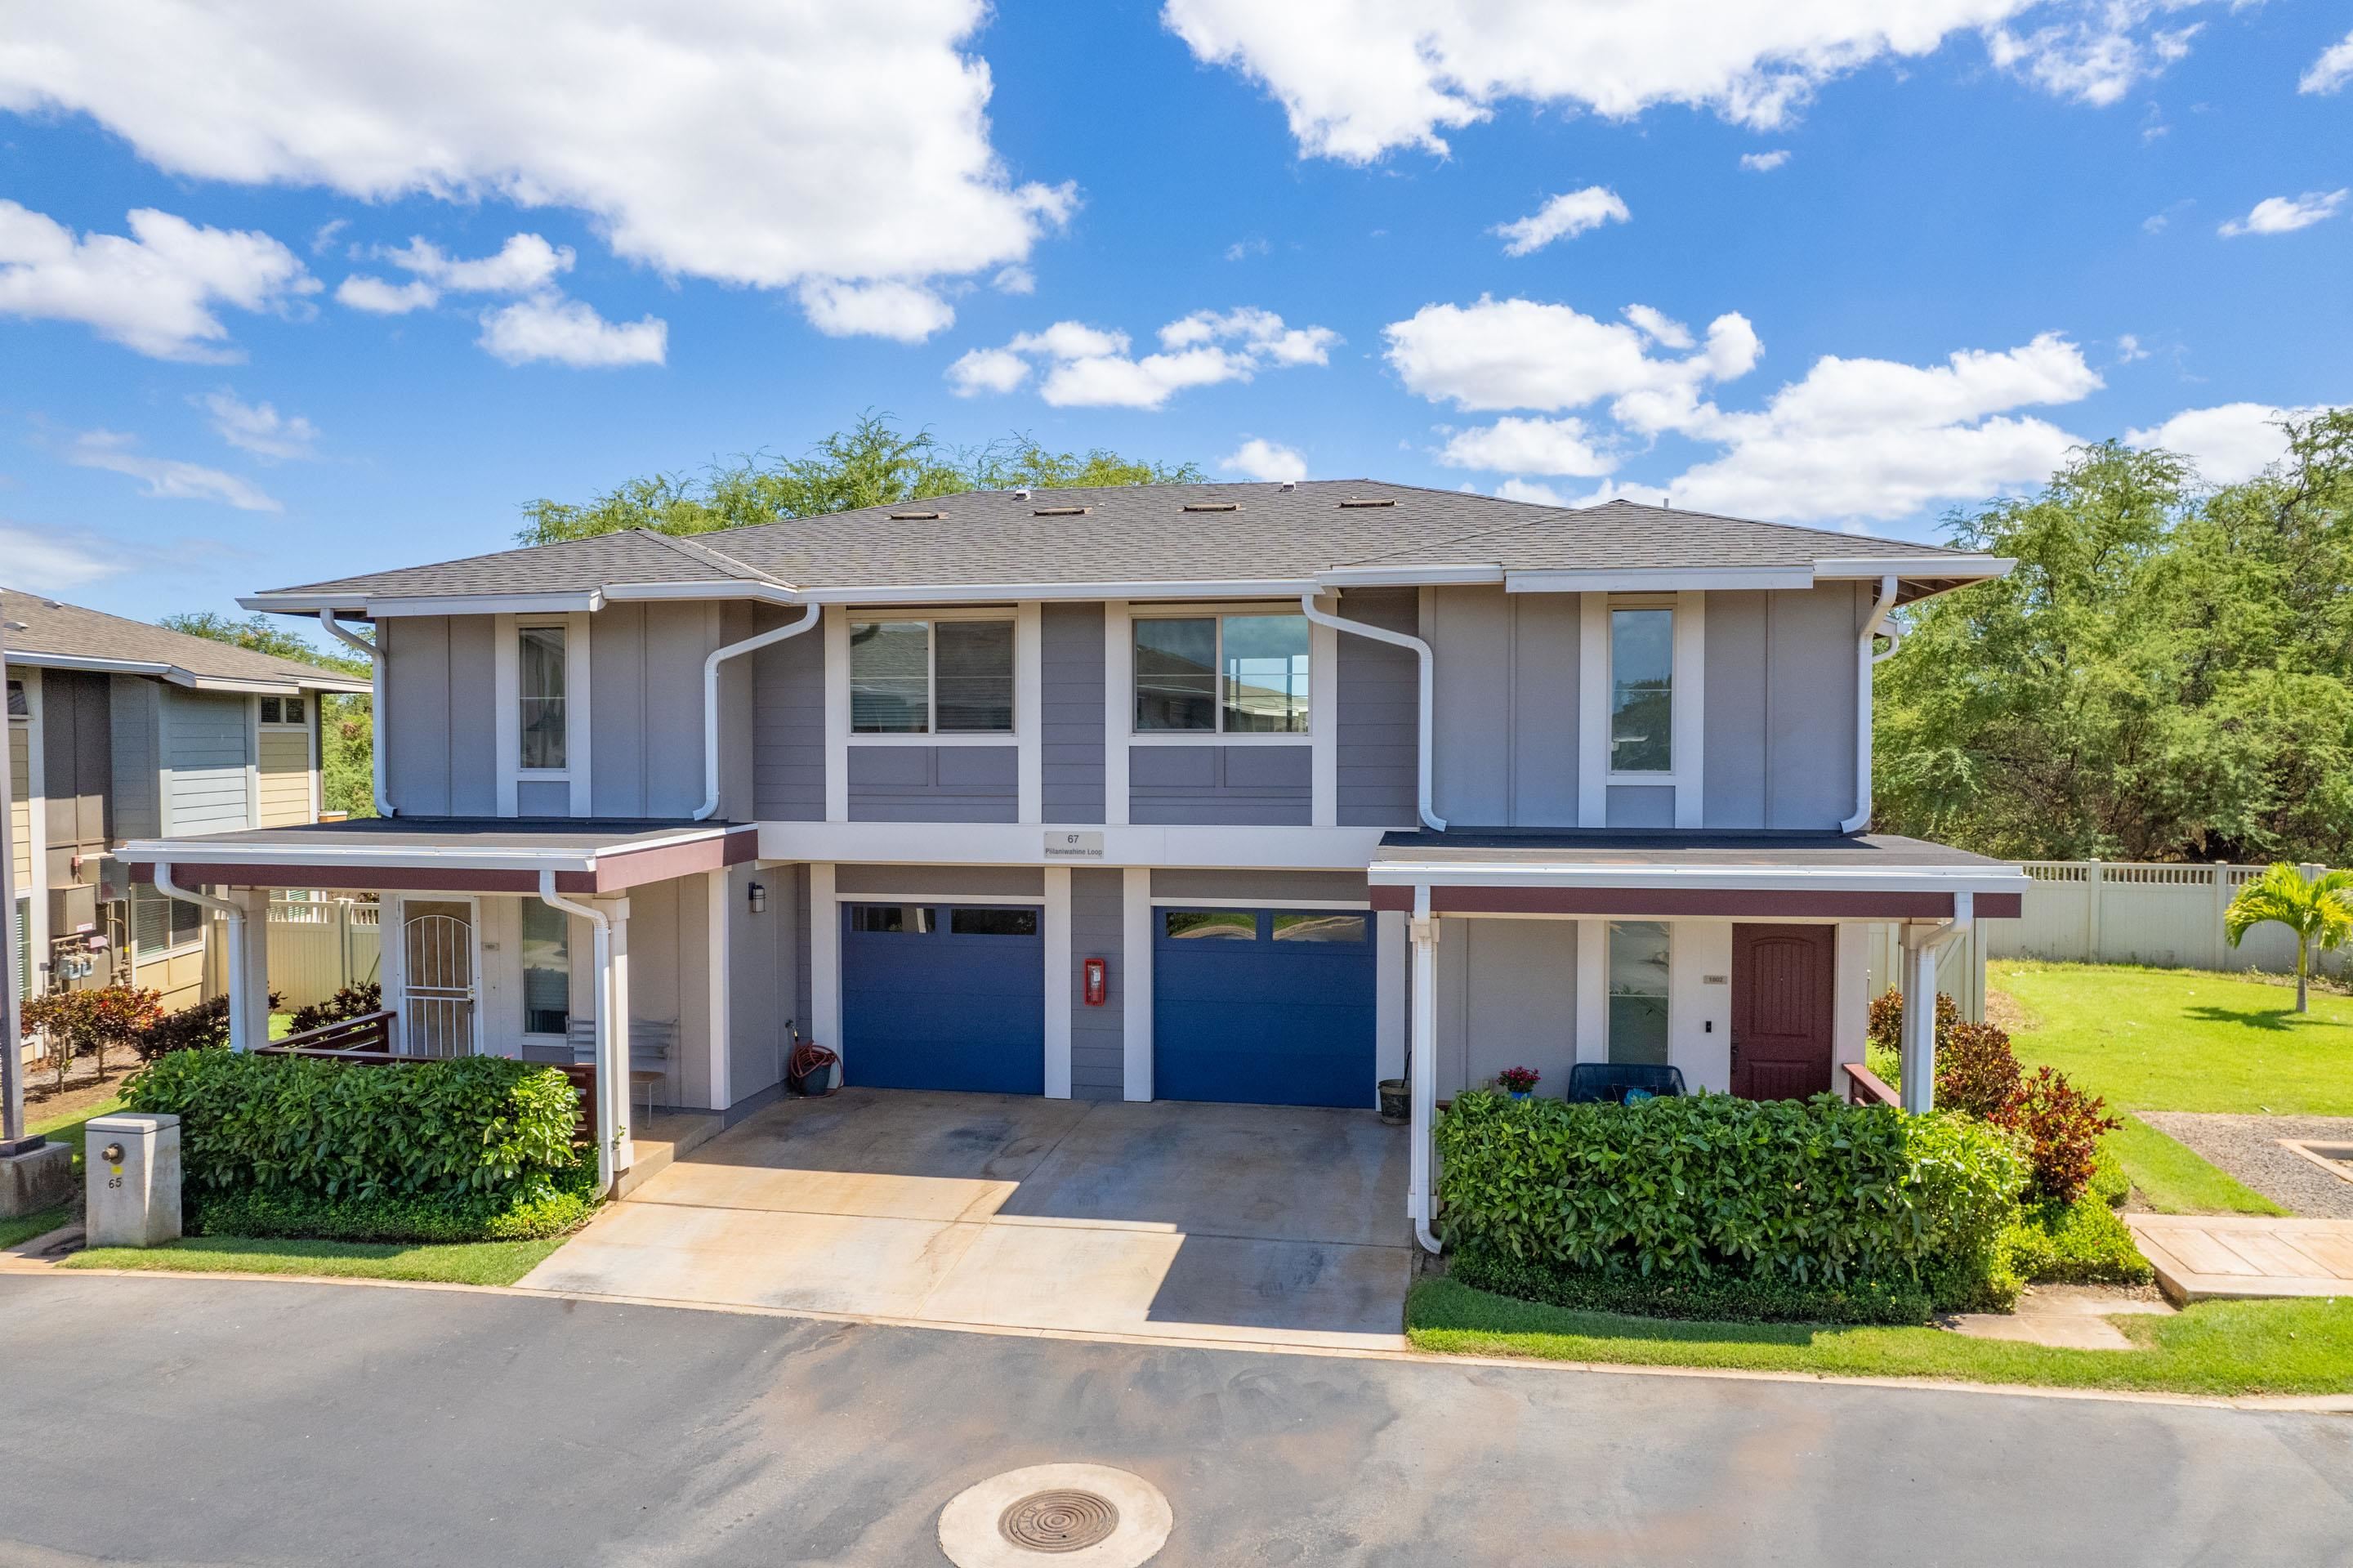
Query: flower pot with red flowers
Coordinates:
[1518,1082]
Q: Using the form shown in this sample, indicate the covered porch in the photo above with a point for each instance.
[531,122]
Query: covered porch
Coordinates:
[531,939]
[1740,960]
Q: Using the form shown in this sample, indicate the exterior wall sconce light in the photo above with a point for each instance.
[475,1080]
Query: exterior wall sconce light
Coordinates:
[759,898]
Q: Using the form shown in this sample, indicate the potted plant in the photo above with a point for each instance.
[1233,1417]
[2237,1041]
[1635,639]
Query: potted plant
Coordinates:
[1518,1082]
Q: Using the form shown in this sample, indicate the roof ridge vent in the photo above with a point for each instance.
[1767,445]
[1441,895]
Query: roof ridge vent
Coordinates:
[917,516]
[1290,484]
[1060,511]
[1022,493]
[1351,502]
[1213,506]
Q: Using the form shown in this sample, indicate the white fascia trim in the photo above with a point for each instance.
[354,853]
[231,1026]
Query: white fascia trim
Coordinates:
[1000,593]
[173,674]
[1658,580]
[722,588]
[1980,567]
[1727,878]
[490,604]
[1472,574]
[203,852]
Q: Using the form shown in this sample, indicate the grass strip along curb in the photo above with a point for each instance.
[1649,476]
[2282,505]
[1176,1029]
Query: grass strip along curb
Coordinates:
[465,1263]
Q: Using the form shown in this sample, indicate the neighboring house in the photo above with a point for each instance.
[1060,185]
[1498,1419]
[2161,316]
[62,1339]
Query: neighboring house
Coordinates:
[118,729]
[1224,791]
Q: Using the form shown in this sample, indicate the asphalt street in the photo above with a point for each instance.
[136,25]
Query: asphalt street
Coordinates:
[186,1422]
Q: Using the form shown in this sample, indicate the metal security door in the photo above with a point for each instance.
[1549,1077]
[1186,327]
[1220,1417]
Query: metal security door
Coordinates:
[437,1002]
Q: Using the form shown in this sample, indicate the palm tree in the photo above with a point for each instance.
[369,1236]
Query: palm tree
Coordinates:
[2320,913]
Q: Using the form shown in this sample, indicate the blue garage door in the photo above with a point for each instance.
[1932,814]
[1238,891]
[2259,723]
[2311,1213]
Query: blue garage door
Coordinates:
[1262,1006]
[943,996]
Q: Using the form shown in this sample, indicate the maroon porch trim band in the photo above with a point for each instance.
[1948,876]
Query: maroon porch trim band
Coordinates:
[1742,903]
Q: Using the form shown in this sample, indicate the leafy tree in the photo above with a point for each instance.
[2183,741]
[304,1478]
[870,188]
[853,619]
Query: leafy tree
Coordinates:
[2167,674]
[2320,913]
[873,463]
[346,721]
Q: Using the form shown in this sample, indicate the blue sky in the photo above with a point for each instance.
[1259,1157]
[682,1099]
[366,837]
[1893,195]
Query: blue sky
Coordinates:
[1519,251]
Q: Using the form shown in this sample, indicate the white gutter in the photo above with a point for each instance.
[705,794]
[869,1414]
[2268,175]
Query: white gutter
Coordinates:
[1422,1088]
[1863,661]
[240,1032]
[375,705]
[608,1124]
[710,807]
[1429,812]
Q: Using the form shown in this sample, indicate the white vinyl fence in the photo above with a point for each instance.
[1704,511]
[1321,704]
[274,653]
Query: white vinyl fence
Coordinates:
[318,945]
[2120,912]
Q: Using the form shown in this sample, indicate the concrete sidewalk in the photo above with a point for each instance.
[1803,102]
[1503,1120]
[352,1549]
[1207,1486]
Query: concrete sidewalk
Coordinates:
[1247,1223]
[2208,1257]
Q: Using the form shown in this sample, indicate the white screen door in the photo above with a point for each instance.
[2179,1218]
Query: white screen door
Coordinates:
[438,998]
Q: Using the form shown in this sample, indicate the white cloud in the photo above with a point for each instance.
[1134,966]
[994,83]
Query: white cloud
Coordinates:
[905,312]
[525,264]
[1564,217]
[323,237]
[2096,51]
[1361,78]
[47,560]
[2229,443]
[259,427]
[1519,354]
[1244,250]
[165,479]
[1090,368]
[1657,326]
[2286,214]
[377,297]
[2332,70]
[1530,491]
[567,331]
[155,291]
[2128,349]
[1517,445]
[1763,163]
[1268,459]
[753,144]
[1014,280]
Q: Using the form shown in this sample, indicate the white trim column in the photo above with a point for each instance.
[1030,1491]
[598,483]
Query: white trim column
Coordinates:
[720,912]
[35,932]
[1918,1046]
[1390,964]
[1593,710]
[1324,720]
[824,962]
[836,633]
[1593,990]
[1119,709]
[1422,1092]
[1028,714]
[1054,930]
[249,992]
[1688,727]
[615,1068]
[252,760]
[1135,964]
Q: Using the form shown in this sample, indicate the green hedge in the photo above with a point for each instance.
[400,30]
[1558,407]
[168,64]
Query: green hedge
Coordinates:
[1818,1194]
[480,1126]
[1723,1299]
[522,1214]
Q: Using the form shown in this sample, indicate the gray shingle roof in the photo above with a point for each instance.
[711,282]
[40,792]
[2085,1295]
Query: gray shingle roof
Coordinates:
[1143,533]
[56,631]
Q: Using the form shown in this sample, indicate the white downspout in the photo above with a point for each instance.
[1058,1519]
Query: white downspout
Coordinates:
[1430,817]
[375,705]
[710,807]
[1422,1092]
[1863,661]
[240,1032]
[1923,947]
[608,1116]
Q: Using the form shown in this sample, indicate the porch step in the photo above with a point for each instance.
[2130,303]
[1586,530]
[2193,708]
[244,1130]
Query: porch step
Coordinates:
[665,1139]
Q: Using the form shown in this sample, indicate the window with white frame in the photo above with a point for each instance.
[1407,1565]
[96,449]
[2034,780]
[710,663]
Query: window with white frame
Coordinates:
[1641,689]
[18,708]
[546,969]
[542,679]
[1640,968]
[1221,675]
[931,677]
[288,712]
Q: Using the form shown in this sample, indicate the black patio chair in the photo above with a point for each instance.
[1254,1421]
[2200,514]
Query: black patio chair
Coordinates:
[1610,1082]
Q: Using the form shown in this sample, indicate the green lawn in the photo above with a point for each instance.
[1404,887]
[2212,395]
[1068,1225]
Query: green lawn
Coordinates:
[24,1227]
[2176,1179]
[2221,1348]
[2184,1040]
[67,1128]
[469,1263]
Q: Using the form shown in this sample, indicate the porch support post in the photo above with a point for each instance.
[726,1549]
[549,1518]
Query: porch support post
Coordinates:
[613,1039]
[1422,1066]
[236,971]
[1923,945]
[248,990]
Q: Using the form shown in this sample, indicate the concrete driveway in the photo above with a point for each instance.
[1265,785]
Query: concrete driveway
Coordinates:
[1259,1224]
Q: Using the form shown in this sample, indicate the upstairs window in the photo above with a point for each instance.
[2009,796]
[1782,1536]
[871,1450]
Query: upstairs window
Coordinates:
[1224,674]
[18,707]
[1641,690]
[931,677]
[541,667]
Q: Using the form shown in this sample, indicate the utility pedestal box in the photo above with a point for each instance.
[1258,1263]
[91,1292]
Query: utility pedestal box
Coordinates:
[133,1167]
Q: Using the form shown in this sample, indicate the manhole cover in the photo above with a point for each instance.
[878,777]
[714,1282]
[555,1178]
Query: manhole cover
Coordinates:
[1059,1521]
[1081,1516]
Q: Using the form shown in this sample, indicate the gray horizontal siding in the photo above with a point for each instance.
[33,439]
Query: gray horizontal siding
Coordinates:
[205,752]
[1098,1034]
[1243,886]
[1377,734]
[1070,728]
[1220,786]
[934,783]
[788,725]
[976,882]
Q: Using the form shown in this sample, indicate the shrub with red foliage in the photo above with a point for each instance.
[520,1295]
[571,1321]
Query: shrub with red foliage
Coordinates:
[1884,1025]
[2061,1126]
[1976,1073]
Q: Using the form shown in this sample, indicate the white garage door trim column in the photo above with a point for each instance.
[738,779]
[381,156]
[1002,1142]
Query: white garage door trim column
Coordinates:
[1055,929]
[1135,957]
[825,962]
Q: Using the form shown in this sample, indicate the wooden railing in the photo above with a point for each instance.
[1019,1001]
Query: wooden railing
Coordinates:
[366,1041]
[1865,1087]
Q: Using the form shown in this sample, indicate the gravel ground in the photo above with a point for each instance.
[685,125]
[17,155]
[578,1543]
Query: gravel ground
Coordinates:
[2248,1148]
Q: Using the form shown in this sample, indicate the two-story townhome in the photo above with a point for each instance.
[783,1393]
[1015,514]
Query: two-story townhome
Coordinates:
[119,730]
[1239,792]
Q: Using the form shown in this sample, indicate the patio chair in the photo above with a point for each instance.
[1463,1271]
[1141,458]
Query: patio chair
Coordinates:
[650,1044]
[1610,1082]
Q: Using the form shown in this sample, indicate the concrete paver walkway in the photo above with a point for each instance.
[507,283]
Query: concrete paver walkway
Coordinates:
[2205,1257]
[1258,1224]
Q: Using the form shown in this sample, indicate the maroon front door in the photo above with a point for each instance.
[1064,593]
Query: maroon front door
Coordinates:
[1784,990]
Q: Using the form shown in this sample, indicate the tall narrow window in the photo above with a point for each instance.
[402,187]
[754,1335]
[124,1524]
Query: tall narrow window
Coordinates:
[1176,674]
[891,677]
[975,677]
[1638,991]
[1266,674]
[546,969]
[541,665]
[1641,690]
[18,707]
